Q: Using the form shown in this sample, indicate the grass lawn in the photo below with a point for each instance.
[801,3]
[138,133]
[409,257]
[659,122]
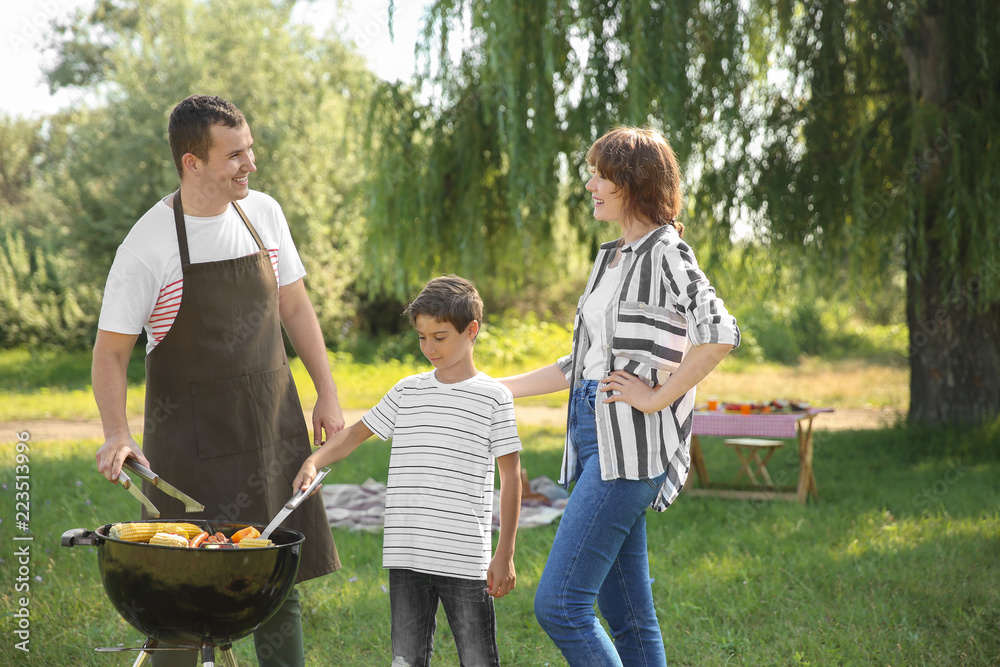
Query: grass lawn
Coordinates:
[897,564]
[51,385]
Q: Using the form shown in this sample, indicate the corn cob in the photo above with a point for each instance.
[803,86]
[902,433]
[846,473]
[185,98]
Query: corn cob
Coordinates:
[255,543]
[142,531]
[169,540]
[190,530]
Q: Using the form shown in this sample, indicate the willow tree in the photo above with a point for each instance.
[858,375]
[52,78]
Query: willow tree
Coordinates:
[852,137]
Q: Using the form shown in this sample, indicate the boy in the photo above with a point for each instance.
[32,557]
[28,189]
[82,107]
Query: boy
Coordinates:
[447,426]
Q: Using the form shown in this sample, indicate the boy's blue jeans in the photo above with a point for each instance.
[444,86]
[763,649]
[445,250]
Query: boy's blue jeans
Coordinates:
[600,552]
[413,602]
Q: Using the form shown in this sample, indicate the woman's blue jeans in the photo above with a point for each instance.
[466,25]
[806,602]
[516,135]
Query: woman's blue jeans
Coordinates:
[600,553]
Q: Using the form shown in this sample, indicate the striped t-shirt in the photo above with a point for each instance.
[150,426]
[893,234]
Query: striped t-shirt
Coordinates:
[439,497]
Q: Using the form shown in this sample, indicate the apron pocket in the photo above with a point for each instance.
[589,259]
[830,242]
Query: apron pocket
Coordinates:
[224,419]
[246,413]
[279,413]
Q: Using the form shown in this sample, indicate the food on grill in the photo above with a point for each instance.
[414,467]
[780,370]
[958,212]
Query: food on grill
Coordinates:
[142,532]
[169,540]
[180,534]
[255,543]
[190,530]
[249,531]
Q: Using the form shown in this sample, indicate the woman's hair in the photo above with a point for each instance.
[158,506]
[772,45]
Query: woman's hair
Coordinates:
[644,168]
[190,126]
[448,299]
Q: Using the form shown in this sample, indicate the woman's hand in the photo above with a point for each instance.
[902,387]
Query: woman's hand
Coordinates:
[697,363]
[632,390]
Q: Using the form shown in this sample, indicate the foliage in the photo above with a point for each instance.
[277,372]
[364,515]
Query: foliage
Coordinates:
[302,96]
[42,301]
[842,141]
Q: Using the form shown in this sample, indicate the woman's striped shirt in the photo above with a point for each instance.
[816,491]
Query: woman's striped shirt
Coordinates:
[664,303]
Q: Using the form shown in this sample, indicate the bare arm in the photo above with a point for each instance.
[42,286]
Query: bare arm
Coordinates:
[299,319]
[697,363]
[501,577]
[112,352]
[336,448]
[544,380]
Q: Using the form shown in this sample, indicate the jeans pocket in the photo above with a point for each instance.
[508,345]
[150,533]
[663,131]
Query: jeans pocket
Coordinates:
[656,482]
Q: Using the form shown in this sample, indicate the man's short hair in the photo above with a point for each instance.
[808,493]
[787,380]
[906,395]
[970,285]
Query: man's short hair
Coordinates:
[190,126]
[448,299]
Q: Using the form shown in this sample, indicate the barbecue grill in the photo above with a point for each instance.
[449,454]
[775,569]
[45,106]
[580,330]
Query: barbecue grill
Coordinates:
[193,598]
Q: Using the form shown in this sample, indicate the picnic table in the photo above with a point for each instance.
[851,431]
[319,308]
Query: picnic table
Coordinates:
[781,425]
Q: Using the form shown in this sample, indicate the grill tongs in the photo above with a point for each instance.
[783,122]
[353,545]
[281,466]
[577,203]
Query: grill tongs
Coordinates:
[190,504]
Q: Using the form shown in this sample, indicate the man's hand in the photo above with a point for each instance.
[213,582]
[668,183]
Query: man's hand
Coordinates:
[327,419]
[112,455]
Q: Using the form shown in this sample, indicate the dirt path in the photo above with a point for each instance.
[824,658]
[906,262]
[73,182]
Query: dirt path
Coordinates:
[54,429]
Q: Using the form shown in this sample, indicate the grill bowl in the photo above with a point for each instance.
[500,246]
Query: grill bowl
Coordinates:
[192,597]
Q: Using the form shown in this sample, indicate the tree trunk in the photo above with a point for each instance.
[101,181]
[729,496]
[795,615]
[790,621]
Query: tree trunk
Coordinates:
[954,341]
[954,352]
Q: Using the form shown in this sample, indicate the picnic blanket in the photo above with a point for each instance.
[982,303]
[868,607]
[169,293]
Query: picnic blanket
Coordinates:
[362,506]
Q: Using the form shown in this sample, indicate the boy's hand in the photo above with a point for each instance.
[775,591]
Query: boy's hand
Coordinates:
[500,577]
[305,476]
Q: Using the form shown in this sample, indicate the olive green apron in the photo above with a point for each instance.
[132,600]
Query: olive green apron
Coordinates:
[223,419]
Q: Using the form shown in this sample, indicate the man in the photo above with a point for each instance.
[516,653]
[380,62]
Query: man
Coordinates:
[212,282]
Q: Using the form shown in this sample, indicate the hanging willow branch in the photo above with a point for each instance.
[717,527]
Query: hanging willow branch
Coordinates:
[765,103]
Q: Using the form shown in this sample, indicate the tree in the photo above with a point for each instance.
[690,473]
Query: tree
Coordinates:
[41,302]
[302,96]
[852,136]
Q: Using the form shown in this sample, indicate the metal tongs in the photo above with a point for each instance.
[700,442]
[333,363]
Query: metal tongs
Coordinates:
[294,502]
[190,504]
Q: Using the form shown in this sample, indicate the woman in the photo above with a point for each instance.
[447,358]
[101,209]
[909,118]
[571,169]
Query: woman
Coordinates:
[648,328]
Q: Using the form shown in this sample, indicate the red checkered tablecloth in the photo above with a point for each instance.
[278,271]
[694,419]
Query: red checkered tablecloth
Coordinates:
[781,425]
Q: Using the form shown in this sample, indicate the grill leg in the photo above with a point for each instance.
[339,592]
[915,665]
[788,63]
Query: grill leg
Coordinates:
[228,657]
[226,653]
[144,655]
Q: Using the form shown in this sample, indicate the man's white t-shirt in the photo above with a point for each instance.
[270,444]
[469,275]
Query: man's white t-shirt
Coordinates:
[439,496]
[146,282]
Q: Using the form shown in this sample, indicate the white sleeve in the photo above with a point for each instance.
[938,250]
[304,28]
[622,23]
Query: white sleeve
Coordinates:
[290,267]
[381,420]
[129,295]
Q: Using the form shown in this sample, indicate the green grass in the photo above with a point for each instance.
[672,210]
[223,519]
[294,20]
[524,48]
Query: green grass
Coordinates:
[897,564]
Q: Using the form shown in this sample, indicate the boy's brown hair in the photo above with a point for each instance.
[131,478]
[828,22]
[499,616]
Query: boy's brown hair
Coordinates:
[448,299]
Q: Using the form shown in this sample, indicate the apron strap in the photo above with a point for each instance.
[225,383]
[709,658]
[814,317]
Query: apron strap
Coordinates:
[246,221]
[182,241]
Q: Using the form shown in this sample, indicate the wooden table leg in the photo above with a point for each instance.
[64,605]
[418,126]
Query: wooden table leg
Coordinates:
[698,463]
[807,480]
